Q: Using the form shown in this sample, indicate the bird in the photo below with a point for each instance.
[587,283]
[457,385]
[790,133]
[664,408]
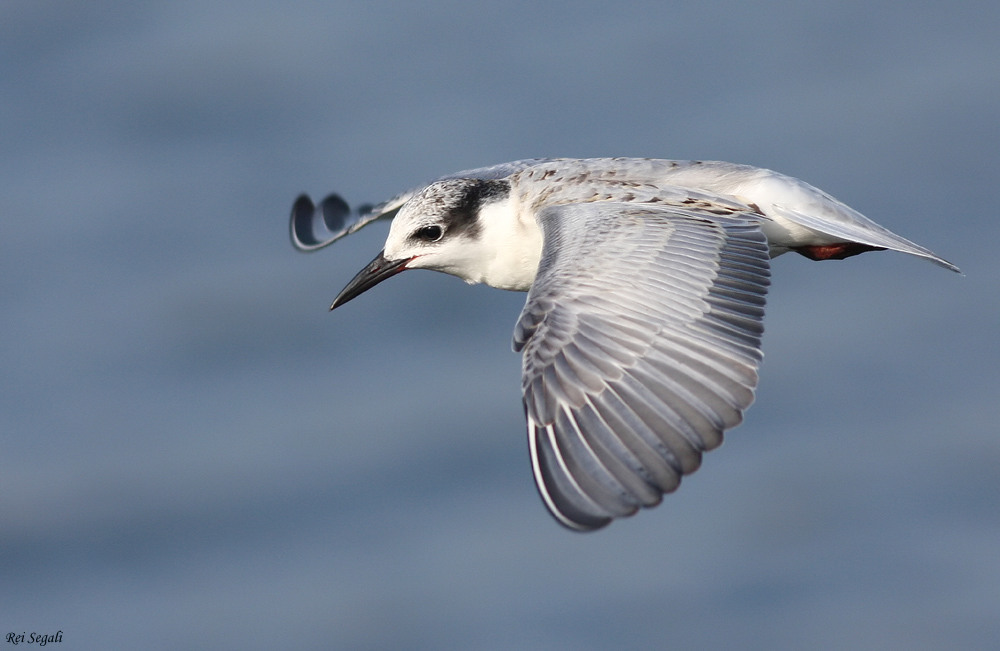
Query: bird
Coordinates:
[646,282]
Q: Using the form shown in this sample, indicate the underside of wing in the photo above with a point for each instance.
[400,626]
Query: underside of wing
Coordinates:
[641,343]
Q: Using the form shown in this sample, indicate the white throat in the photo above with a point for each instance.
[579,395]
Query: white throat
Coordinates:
[508,248]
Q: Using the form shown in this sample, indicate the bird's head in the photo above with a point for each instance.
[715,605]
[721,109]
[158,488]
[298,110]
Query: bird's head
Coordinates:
[439,228]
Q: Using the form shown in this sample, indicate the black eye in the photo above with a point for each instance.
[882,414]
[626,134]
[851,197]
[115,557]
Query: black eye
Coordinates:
[431,233]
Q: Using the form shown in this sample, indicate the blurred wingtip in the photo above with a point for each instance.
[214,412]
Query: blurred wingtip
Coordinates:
[948,265]
[335,212]
[306,215]
[301,231]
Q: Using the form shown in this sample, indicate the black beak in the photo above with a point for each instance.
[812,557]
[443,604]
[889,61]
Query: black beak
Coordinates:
[377,270]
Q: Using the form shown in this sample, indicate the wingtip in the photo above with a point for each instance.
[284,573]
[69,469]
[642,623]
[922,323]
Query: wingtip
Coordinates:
[936,259]
[948,265]
[559,504]
[335,212]
[300,227]
[305,216]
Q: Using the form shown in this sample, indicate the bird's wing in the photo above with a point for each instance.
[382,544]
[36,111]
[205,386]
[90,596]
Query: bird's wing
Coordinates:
[314,227]
[852,226]
[641,342]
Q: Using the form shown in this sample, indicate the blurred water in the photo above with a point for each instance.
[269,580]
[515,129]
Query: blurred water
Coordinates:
[196,454]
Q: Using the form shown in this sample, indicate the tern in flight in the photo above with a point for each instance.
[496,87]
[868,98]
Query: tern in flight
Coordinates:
[646,282]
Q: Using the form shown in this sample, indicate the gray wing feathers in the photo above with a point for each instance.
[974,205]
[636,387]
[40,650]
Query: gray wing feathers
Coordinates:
[641,342]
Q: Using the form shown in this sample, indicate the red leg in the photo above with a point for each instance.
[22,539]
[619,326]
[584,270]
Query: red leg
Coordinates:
[835,251]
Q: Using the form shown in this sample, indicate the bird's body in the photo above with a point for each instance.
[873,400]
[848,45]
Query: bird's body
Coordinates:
[646,280]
